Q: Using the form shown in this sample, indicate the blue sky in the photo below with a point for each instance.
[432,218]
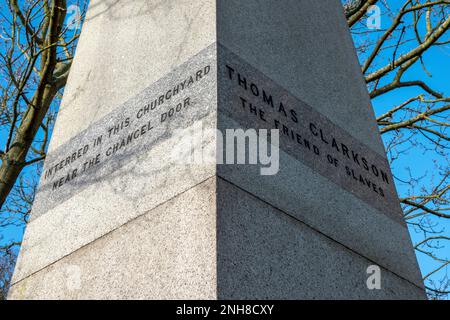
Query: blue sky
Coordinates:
[437,63]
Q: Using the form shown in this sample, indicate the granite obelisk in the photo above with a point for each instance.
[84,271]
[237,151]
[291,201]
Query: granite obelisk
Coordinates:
[116,217]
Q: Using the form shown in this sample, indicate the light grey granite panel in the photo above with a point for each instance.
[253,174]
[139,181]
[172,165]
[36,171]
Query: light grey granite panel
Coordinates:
[124,47]
[185,95]
[168,253]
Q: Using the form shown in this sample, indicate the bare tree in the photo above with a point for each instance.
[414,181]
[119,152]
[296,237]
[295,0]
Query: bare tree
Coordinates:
[393,58]
[7,259]
[36,51]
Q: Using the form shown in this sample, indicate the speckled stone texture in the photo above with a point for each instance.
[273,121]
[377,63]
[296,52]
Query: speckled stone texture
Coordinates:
[262,253]
[121,218]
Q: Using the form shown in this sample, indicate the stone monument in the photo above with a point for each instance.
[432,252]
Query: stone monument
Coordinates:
[130,205]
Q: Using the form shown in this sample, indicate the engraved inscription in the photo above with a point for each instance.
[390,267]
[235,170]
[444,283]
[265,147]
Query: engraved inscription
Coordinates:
[243,94]
[176,101]
[255,101]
